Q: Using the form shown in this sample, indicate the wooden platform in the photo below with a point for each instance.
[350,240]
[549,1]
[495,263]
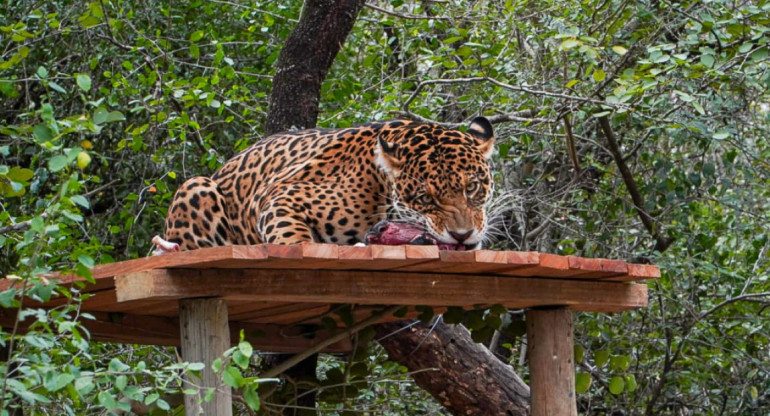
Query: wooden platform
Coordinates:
[279,294]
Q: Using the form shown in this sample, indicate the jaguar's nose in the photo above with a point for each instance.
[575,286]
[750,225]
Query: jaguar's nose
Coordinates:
[460,236]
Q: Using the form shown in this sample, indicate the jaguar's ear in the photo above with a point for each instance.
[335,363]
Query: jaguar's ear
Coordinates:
[387,157]
[481,129]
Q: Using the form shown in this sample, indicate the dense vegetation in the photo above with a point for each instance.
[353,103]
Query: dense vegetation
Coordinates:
[632,130]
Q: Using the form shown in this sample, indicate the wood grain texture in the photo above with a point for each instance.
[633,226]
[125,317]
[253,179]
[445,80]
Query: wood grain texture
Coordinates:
[551,362]
[386,288]
[479,384]
[153,330]
[312,256]
[205,337]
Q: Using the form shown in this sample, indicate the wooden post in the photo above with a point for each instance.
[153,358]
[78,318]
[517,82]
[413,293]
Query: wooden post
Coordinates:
[205,336]
[551,362]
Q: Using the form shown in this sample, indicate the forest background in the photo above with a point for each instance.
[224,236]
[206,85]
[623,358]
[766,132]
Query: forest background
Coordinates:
[633,130]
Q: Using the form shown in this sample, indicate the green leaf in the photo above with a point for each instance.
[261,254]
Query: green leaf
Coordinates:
[251,398]
[617,384]
[42,133]
[746,47]
[99,116]
[121,382]
[217,365]
[569,44]
[57,87]
[759,54]
[720,135]
[37,224]
[619,50]
[579,352]
[233,377]
[83,81]
[84,385]
[241,360]
[162,405]
[631,383]
[599,75]
[117,366]
[582,382]
[88,21]
[57,163]
[106,400]
[196,36]
[620,362]
[707,60]
[699,108]
[20,174]
[115,116]
[196,366]
[601,357]
[61,381]
[42,72]
[151,398]
[80,200]
[245,348]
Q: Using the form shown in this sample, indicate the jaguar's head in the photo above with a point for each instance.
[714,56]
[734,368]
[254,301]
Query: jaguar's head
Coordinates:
[440,178]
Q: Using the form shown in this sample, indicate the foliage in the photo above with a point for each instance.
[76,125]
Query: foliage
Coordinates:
[107,107]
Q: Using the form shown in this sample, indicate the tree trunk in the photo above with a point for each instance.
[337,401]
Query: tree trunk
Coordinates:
[305,60]
[301,69]
[469,380]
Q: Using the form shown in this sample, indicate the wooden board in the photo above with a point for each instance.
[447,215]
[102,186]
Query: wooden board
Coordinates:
[312,256]
[283,292]
[386,288]
[153,330]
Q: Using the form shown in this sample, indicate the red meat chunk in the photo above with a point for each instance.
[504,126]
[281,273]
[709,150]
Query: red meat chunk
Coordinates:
[397,233]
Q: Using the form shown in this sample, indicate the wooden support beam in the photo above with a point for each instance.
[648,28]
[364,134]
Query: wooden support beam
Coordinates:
[158,330]
[372,287]
[205,337]
[551,362]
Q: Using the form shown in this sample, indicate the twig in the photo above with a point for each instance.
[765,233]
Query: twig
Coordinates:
[19,226]
[571,145]
[661,242]
[510,87]
[748,296]
[406,16]
[524,116]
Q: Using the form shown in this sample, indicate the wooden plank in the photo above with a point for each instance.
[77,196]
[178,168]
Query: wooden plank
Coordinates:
[556,266]
[285,313]
[379,257]
[638,272]
[551,362]
[476,262]
[153,330]
[387,288]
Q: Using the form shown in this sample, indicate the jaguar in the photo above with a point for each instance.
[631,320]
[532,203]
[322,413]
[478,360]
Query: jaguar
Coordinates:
[334,185]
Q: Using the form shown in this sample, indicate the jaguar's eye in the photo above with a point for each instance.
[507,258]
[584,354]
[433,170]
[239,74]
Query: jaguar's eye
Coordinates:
[424,199]
[471,189]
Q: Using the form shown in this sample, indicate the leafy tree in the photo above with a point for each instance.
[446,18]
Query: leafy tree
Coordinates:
[631,130]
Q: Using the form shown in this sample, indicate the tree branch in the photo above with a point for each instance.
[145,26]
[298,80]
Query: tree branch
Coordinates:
[661,242]
[406,16]
[19,226]
[510,87]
